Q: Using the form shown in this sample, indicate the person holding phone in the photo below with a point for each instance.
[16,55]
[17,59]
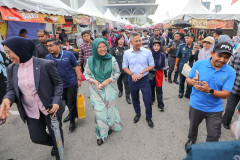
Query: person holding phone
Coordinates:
[208,91]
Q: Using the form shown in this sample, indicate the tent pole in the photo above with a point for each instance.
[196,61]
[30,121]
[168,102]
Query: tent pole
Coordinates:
[53,29]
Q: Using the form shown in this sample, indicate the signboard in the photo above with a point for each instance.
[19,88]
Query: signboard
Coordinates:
[81,19]
[100,21]
[3,29]
[69,28]
[199,23]
[224,24]
[24,16]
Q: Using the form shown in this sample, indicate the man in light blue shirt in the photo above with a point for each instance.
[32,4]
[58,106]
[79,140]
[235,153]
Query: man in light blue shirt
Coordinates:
[137,62]
[212,80]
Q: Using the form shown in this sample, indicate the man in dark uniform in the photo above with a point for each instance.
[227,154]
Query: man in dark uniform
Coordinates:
[184,54]
[41,50]
[172,51]
[157,36]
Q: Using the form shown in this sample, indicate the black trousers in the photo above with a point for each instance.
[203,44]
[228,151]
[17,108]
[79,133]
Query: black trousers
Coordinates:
[70,97]
[232,103]
[123,78]
[38,133]
[159,94]
[213,124]
[171,63]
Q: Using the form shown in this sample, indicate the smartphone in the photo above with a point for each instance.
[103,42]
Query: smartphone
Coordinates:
[197,74]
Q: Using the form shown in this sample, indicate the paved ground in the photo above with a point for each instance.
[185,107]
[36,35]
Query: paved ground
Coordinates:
[135,142]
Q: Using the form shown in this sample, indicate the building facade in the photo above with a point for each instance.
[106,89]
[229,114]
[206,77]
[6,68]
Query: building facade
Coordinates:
[136,11]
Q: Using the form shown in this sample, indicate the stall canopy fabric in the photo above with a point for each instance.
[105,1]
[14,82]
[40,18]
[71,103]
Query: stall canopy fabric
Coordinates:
[119,19]
[108,15]
[55,7]
[90,9]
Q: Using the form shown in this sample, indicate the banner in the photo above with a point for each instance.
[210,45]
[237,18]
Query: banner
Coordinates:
[14,27]
[224,24]
[199,23]
[100,21]
[69,28]
[23,16]
[81,19]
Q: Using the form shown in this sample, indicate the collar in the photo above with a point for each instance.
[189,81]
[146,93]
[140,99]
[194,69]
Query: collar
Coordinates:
[223,68]
[131,49]
[85,44]
[26,64]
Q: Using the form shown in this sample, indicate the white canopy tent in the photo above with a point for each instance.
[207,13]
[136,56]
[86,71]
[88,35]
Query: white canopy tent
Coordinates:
[55,7]
[90,9]
[108,15]
[119,19]
[146,25]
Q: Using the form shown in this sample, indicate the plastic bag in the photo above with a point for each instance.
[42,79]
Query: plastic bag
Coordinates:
[80,105]
[186,69]
[236,128]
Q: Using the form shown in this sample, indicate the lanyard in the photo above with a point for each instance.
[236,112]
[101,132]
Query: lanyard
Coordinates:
[59,59]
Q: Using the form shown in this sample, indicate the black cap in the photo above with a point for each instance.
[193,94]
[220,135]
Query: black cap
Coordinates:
[190,34]
[156,41]
[223,47]
[218,31]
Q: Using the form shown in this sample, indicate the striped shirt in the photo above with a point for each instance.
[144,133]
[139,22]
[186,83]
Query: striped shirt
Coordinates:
[145,41]
[235,63]
[85,51]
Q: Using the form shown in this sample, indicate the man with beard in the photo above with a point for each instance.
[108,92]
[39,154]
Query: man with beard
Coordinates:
[213,83]
[157,36]
[41,49]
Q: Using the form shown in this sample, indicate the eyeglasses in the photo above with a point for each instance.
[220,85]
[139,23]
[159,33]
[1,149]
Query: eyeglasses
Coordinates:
[51,45]
[207,42]
[102,47]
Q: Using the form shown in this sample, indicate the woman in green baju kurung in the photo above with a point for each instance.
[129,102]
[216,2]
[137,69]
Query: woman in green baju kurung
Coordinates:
[102,72]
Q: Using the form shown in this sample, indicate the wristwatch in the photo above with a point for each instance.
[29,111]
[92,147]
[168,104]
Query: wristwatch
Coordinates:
[211,91]
[131,74]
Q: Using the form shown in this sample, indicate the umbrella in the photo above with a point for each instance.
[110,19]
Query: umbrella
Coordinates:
[129,26]
[181,24]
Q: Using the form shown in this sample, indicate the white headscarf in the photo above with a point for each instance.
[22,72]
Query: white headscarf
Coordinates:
[206,53]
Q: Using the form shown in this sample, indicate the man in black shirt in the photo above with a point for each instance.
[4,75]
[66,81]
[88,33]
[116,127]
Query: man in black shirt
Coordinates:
[157,36]
[41,50]
[63,36]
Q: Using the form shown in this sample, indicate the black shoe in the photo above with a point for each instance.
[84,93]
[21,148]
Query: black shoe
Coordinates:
[128,100]
[153,102]
[66,119]
[150,123]
[176,82]
[72,126]
[161,109]
[169,81]
[99,142]
[53,151]
[120,94]
[110,131]
[189,143]
[180,95]
[187,96]
[226,126]
[136,118]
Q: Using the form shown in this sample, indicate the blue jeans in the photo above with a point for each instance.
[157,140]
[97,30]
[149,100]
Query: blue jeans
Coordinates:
[143,85]
[182,86]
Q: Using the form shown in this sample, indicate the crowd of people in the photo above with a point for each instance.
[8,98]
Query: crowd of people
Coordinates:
[47,73]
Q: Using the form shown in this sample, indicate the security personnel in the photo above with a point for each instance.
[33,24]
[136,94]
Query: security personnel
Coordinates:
[118,52]
[184,54]
[172,51]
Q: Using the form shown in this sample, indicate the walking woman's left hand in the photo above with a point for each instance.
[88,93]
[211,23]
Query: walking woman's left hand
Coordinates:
[54,109]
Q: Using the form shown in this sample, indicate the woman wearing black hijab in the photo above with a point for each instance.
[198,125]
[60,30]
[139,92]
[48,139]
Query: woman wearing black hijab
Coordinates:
[34,85]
